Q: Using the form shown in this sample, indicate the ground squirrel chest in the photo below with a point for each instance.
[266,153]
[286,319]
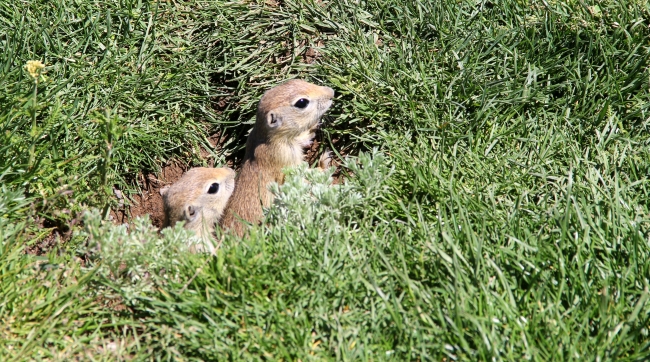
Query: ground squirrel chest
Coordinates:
[287,117]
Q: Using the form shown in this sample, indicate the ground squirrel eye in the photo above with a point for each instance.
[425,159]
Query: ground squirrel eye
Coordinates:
[213,188]
[302,103]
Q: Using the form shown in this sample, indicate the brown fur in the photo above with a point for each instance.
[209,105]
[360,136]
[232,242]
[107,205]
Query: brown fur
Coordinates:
[189,200]
[281,132]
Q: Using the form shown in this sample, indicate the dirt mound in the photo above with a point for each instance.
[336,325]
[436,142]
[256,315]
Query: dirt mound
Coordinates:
[149,201]
[59,232]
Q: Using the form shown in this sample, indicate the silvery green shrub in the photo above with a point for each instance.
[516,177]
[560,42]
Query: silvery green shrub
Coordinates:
[136,257]
[308,196]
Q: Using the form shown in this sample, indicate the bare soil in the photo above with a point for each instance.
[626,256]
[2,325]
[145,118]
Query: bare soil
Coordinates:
[58,232]
[149,201]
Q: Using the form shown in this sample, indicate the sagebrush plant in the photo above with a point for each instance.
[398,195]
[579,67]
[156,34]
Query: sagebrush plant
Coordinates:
[308,198]
[135,258]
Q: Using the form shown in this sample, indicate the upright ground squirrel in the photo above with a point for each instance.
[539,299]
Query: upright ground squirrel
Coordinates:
[287,117]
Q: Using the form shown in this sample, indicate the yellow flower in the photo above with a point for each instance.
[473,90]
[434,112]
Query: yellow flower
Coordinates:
[34,68]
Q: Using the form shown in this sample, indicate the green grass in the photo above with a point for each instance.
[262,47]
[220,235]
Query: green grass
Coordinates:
[497,203]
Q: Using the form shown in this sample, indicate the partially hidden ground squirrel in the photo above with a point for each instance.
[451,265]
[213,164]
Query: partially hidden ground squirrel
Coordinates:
[287,117]
[199,198]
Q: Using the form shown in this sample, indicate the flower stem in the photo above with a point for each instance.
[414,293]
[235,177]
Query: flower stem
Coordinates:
[34,108]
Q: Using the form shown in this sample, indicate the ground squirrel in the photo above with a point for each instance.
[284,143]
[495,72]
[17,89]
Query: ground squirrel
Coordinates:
[199,198]
[287,117]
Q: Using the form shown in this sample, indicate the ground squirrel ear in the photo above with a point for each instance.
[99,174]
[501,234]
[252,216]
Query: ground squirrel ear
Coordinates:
[164,190]
[273,120]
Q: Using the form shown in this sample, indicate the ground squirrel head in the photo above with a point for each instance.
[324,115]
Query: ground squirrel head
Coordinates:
[198,198]
[288,112]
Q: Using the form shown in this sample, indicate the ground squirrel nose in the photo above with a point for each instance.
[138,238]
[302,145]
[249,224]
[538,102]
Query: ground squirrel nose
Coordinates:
[330,92]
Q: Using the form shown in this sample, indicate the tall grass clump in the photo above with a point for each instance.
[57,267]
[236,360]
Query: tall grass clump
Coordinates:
[495,167]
